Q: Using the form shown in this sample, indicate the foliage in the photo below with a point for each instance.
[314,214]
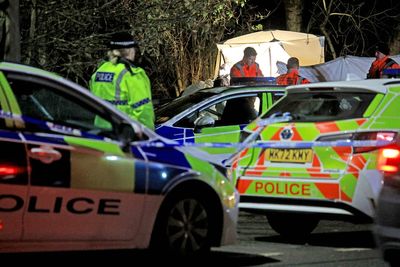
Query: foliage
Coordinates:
[182,35]
[353,27]
[178,37]
[67,37]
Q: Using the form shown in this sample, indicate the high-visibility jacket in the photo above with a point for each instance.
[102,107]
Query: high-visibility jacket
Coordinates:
[240,69]
[378,65]
[126,87]
[291,78]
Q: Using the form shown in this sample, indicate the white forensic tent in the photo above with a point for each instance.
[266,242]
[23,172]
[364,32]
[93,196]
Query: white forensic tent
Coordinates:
[340,69]
[271,47]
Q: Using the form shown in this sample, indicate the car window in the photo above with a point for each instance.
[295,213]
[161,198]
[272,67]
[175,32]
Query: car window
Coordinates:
[45,103]
[167,111]
[234,111]
[323,106]
[276,96]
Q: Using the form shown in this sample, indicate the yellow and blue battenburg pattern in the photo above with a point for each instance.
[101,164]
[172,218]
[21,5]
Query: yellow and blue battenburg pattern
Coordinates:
[152,169]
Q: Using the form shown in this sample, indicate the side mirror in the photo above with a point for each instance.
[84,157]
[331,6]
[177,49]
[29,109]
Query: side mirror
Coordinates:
[126,135]
[201,122]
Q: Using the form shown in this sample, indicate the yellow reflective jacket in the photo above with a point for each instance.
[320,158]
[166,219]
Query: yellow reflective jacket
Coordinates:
[127,87]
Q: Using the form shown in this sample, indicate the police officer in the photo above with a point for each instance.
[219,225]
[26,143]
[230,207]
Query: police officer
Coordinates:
[292,75]
[247,67]
[382,61]
[123,84]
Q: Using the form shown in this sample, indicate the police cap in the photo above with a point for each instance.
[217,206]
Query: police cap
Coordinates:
[121,40]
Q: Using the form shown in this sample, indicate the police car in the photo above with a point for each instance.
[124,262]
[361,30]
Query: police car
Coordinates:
[313,155]
[215,115]
[68,184]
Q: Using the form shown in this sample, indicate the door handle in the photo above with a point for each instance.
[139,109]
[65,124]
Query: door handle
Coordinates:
[45,154]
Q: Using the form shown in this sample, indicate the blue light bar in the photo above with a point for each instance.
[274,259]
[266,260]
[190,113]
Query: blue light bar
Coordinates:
[391,73]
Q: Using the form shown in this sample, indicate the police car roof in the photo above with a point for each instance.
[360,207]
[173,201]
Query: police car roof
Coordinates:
[375,85]
[218,90]
[17,67]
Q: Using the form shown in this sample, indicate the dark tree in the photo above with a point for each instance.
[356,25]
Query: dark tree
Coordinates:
[9,31]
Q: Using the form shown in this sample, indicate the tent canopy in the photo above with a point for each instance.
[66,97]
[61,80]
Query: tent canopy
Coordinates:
[271,46]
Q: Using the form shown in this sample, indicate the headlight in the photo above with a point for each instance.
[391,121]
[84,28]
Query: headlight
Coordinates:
[230,200]
[224,170]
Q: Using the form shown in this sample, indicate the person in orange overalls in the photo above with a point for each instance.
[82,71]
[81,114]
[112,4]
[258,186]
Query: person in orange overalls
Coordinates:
[247,67]
[292,75]
[382,62]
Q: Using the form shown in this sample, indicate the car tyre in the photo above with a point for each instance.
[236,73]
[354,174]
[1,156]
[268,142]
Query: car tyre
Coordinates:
[184,226]
[293,226]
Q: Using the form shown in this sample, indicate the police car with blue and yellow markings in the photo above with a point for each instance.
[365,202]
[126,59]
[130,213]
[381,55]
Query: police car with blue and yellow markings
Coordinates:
[67,183]
[216,115]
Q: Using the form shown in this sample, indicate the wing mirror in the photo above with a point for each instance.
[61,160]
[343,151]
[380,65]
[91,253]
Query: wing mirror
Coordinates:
[201,122]
[128,134]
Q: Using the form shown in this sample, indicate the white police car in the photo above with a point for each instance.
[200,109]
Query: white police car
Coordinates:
[216,115]
[68,184]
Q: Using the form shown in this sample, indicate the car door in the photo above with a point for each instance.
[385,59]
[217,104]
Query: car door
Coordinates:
[232,114]
[269,98]
[13,173]
[222,120]
[81,181]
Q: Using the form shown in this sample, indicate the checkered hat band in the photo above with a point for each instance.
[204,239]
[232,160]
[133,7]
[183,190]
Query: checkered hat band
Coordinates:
[126,43]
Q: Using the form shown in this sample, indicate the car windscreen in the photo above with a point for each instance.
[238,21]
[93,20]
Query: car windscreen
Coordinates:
[167,111]
[323,105]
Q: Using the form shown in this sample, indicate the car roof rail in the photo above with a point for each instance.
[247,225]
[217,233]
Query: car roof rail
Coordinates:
[253,81]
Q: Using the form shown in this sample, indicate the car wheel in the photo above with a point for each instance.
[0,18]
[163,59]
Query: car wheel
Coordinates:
[184,226]
[392,257]
[293,226]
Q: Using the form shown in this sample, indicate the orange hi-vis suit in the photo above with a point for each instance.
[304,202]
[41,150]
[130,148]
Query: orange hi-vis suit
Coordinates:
[240,69]
[377,67]
[290,78]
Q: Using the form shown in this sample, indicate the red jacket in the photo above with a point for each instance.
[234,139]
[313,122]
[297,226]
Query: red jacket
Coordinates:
[375,71]
[241,69]
[290,78]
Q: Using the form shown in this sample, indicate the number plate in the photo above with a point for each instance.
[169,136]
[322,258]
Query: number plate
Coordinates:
[296,155]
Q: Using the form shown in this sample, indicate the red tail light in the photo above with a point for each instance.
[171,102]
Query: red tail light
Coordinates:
[362,136]
[10,170]
[372,136]
[389,160]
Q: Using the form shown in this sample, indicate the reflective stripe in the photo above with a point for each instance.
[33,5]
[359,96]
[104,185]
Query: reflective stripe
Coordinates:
[141,103]
[118,88]
[389,62]
[239,66]
[118,102]
[300,80]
